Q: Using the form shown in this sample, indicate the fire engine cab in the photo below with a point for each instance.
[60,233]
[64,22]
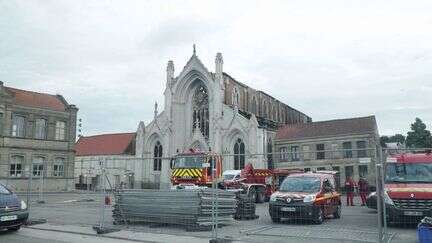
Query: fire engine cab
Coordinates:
[408,187]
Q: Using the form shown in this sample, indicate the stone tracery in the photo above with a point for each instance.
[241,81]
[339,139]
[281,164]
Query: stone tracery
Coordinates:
[200,106]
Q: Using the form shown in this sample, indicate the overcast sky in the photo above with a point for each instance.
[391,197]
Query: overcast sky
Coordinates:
[328,59]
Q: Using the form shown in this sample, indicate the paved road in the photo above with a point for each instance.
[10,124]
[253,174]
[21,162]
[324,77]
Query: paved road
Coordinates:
[26,235]
[357,223]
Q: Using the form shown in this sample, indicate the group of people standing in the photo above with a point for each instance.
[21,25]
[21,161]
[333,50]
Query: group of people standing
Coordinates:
[350,187]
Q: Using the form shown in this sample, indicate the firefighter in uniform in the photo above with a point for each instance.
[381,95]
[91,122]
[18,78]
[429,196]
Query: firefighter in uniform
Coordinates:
[363,187]
[349,189]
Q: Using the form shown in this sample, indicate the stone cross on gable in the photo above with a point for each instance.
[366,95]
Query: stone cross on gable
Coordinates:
[155,109]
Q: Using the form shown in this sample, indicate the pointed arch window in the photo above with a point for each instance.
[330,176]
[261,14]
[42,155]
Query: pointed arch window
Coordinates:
[200,106]
[239,155]
[157,157]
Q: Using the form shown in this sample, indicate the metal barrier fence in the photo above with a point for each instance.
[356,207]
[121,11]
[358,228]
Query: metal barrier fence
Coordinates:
[206,195]
[147,178]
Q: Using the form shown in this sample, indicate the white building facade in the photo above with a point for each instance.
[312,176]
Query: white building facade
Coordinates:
[210,112]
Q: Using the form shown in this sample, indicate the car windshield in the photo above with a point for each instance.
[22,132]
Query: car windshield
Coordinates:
[228,177]
[4,190]
[409,172]
[300,184]
[189,162]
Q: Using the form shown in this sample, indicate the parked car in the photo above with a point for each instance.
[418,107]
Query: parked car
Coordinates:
[310,196]
[13,211]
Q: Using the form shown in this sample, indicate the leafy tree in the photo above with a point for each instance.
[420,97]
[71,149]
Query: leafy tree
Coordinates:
[419,137]
[397,138]
[384,140]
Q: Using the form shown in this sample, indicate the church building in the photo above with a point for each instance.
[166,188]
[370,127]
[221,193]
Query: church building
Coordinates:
[211,111]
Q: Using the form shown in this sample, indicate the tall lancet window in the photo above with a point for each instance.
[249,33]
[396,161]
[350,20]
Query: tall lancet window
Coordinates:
[201,110]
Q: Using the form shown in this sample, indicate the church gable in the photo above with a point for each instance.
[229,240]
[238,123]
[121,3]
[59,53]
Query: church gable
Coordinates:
[194,64]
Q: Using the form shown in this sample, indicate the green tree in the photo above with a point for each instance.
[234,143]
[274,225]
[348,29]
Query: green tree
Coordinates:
[383,140]
[397,138]
[419,137]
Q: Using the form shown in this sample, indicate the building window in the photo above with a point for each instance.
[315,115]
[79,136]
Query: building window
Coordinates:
[239,155]
[361,149]
[321,168]
[283,151]
[60,130]
[16,165]
[38,166]
[59,167]
[200,106]
[40,129]
[347,149]
[320,155]
[363,170]
[295,153]
[157,154]
[349,171]
[307,169]
[306,153]
[18,126]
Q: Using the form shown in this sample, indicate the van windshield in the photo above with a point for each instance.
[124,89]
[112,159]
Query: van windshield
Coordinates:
[301,184]
[409,173]
[189,162]
[4,190]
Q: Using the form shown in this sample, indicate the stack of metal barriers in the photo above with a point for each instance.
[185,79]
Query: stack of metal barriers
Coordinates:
[195,209]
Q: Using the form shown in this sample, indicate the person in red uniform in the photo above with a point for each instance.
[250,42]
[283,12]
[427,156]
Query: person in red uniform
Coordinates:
[349,188]
[363,187]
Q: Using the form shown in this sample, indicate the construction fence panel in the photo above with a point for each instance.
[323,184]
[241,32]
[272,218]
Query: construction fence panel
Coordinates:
[159,202]
[305,195]
[232,195]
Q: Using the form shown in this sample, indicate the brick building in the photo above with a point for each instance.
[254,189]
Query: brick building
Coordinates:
[37,137]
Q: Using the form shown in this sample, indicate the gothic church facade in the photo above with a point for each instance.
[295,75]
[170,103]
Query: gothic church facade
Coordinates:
[210,111]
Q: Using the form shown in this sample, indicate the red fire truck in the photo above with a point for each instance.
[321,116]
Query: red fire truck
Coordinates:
[408,187]
[195,167]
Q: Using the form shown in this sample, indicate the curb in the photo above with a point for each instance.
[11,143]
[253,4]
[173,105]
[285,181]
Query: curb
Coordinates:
[90,234]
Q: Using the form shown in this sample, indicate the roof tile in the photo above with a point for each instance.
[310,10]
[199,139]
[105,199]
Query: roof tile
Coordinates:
[38,100]
[104,144]
[359,125]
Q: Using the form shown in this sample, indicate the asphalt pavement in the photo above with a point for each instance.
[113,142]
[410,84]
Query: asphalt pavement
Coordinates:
[82,211]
